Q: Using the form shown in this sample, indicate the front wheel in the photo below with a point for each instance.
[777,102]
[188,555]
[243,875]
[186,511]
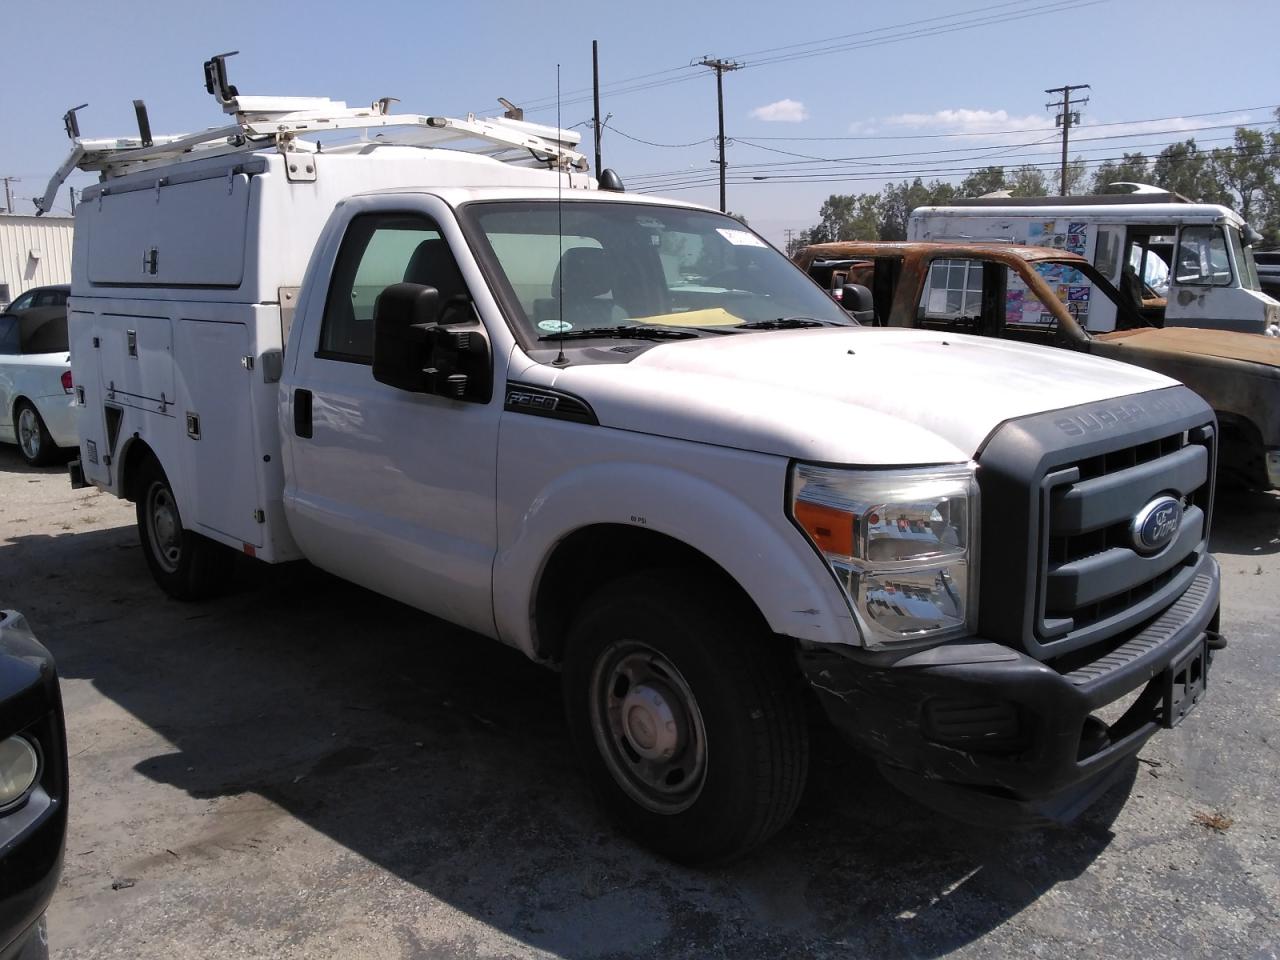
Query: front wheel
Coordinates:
[34,441]
[687,715]
[186,565]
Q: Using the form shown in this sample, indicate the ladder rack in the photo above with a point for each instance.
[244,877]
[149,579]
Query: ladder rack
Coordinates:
[265,122]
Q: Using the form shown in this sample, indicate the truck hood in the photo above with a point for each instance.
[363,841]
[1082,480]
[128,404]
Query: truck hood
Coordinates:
[1224,344]
[858,395]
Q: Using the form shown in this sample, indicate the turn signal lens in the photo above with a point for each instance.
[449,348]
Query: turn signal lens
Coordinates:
[66,381]
[830,529]
[19,766]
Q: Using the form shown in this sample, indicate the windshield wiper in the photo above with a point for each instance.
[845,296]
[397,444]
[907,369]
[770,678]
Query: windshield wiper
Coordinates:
[784,323]
[623,332]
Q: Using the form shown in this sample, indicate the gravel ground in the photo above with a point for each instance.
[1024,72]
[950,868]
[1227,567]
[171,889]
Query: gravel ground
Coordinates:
[304,769]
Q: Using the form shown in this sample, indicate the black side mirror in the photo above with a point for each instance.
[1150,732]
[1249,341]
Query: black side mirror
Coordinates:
[403,316]
[857,300]
[424,347]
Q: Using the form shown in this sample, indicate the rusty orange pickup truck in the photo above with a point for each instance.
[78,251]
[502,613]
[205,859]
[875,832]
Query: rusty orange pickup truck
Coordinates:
[1025,293]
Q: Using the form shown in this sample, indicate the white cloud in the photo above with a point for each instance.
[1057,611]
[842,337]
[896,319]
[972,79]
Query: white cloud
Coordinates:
[963,120]
[781,111]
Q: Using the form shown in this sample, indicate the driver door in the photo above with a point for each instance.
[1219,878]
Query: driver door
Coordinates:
[391,489]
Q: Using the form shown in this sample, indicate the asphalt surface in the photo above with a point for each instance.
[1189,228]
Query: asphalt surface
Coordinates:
[304,769]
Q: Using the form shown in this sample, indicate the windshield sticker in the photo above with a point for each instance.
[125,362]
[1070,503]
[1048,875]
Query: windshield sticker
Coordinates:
[740,238]
[555,326]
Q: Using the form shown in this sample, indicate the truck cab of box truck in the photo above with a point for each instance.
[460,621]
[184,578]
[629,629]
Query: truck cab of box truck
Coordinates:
[1205,250]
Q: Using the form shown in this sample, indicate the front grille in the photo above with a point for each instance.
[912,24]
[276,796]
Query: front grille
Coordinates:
[1093,583]
[1060,575]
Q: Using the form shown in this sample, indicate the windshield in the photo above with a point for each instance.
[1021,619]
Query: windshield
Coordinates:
[587,267]
[1244,258]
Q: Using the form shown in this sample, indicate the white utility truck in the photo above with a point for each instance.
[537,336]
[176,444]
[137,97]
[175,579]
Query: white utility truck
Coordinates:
[1179,264]
[629,438]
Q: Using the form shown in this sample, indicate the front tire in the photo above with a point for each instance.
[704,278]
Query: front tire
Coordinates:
[186,565]
[687,715]
[34,440]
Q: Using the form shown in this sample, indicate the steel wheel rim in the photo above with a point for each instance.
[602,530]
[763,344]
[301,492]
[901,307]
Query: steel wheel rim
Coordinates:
[164,527]
[648,727]
[29,433]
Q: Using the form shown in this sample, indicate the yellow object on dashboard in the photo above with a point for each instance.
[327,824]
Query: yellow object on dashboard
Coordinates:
[711,317]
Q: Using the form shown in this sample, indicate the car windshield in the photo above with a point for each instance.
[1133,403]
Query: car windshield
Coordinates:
[584,268]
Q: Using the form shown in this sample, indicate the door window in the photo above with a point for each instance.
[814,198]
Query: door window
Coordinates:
[953,297]
[1202,257]
[379,250]
[23,302]
[8,335]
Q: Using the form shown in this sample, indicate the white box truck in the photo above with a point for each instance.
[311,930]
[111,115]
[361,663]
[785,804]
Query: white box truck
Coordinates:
[1179,264]
[629,438]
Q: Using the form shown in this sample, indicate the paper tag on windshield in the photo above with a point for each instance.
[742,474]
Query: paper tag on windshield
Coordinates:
[740,238]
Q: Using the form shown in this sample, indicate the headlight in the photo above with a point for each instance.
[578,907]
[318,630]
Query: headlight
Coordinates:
[901,543]
[19,766]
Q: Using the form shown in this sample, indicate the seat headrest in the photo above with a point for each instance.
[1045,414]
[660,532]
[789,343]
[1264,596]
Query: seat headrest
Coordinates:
[432,264]
[586,272]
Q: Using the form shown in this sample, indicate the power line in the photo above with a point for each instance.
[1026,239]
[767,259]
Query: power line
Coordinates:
[866,160]
[672,75]
[998,133]
[819,177]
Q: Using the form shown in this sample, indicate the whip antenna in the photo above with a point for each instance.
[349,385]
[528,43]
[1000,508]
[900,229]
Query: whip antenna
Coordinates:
[560,360]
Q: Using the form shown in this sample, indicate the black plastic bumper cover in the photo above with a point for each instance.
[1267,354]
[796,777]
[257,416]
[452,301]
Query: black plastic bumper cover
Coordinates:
[992,736]
[32,834]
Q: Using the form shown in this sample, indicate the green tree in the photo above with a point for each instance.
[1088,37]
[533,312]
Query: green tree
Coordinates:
[1133,168]
[1077,174]
[1028,181]
[845,217]
[1247,169]
[1187,170]
[897,200]
[982,181]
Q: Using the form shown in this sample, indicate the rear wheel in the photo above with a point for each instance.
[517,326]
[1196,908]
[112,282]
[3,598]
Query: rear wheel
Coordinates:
[687,715]
[186,565]
[34,442]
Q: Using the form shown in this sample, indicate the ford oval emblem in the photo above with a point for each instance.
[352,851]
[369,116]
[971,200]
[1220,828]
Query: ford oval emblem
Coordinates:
[1155,525]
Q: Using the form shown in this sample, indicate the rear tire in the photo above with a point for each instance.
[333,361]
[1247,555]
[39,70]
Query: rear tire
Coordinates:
[34,441]
[687,715]
[186,565]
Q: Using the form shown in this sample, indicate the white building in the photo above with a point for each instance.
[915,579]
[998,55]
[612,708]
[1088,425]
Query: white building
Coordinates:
[34,251]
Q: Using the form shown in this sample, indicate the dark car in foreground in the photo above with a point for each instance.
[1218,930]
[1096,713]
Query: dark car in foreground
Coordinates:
[33,788]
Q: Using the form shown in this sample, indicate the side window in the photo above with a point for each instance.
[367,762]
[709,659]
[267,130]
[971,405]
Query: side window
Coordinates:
[1202,257]
[23,302]
[952,298]
[1106,252]
[379,250]
[8,335]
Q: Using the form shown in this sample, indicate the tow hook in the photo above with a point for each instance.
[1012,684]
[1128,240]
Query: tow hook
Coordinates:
[1215,640]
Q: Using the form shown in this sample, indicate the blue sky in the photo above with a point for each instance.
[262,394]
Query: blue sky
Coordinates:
[895,75]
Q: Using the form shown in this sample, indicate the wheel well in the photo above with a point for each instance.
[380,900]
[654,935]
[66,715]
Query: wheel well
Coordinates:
[590,557]
[1240,448]
[135,455]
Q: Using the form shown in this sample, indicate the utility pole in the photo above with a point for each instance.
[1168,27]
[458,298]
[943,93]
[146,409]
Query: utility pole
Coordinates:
[1066,117]
[8,194]
[595,96]
[720,67]
[790,240]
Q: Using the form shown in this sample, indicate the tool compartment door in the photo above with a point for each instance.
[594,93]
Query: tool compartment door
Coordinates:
[222,456]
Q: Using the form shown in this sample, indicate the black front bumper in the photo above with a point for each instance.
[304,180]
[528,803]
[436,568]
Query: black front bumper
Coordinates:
[991,735]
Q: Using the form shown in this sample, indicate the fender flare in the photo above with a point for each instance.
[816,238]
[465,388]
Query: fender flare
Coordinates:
[766,556]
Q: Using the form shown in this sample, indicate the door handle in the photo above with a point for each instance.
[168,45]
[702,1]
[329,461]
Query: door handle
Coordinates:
[302,413]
